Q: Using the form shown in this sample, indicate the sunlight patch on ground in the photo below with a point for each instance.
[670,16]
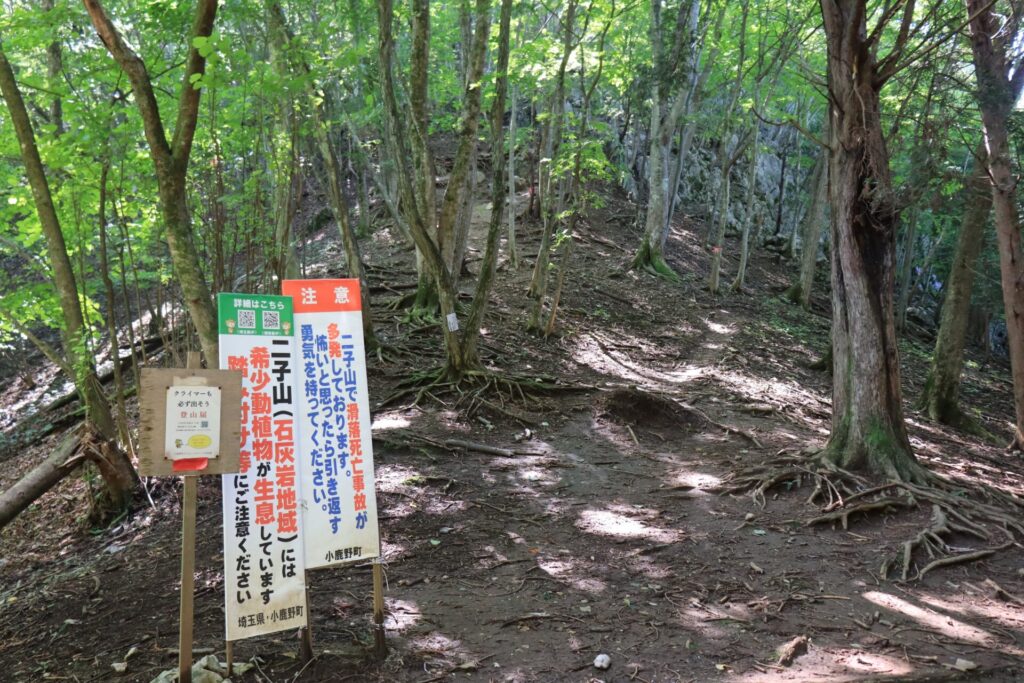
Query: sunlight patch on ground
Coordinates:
[389,421]
[934,621]
[400,614]
[697,480]
[618,525]
[719,328]
[568,571]
[869,663]
[842,666]
[967,602]
[393,477]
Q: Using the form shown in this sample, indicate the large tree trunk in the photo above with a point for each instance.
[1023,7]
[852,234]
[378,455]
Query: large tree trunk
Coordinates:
[868,430]
[997,96]
[942,388]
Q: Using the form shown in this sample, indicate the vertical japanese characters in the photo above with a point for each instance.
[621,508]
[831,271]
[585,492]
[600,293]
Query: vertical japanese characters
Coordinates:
[335,450]
[263,540]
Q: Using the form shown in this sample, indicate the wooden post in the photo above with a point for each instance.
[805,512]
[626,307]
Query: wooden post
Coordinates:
[229,654]
[380,646]
[306,634]
[188,563]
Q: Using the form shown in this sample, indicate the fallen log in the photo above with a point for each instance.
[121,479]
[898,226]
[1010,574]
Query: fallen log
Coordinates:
[42,478]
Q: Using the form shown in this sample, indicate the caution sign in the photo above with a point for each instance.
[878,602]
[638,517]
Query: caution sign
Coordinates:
[335,450]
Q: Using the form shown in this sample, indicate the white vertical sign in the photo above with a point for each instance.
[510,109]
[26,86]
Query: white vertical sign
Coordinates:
[264,573]
[335,449]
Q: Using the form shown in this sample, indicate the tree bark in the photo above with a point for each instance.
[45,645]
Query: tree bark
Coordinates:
[800,291]
[170,159]
[997,95]
[868,430]
[120,478]
[941,396]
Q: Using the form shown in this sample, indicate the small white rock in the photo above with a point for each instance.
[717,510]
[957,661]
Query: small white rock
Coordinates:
[119,667]
[602,661]
[749,517]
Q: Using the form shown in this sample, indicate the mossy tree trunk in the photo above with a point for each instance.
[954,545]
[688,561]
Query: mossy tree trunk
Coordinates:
[868,430]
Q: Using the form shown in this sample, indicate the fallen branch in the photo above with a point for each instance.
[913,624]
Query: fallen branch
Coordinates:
[478,447]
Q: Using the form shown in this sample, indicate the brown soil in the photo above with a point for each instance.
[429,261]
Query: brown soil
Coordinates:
[602,533]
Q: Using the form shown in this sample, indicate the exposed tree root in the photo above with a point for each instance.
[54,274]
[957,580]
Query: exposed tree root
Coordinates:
[976,513]
[476,390]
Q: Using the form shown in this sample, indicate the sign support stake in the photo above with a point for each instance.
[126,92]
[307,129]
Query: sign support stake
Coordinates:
[380,646]
[188,562]
[229,655]
[306,633]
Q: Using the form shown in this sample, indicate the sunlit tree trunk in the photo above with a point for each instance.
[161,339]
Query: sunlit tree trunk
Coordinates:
[998,90]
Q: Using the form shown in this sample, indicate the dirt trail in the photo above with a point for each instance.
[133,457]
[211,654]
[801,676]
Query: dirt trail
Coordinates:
[603,532]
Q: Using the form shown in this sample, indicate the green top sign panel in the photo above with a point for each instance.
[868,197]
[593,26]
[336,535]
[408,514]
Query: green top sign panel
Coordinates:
[254,314]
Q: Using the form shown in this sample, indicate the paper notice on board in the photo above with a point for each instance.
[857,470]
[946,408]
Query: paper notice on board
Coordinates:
[192,422]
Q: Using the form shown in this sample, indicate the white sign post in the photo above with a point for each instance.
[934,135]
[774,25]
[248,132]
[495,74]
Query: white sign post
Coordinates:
[264,572]
[335,448]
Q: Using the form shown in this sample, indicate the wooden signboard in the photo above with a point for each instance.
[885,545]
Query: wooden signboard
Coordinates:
[196,391]
[190,424]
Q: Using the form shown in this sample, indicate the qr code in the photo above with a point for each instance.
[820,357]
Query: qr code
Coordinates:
[271,320]
[247,320]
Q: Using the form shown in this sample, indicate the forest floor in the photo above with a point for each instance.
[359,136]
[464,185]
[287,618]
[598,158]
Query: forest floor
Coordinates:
[599,531]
